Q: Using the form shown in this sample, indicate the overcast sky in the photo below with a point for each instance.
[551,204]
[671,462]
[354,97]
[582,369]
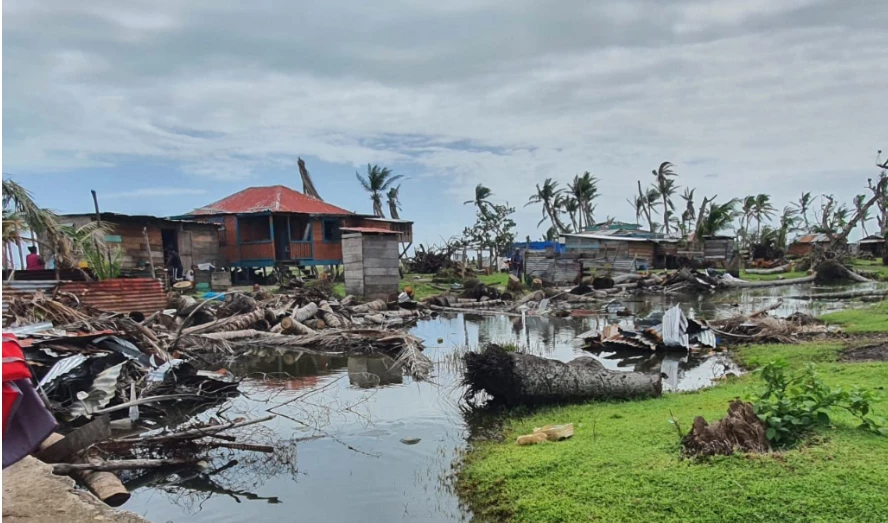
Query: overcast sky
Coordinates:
[163,106]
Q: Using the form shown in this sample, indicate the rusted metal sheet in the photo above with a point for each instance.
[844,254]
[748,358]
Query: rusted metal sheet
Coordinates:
[23,288]
[143,295]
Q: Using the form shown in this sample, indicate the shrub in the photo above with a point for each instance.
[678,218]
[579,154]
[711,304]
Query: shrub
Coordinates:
[792,405]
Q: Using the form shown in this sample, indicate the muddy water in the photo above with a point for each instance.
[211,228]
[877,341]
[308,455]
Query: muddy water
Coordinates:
[360,410]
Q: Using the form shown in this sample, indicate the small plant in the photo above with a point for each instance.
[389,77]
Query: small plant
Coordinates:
[792,405]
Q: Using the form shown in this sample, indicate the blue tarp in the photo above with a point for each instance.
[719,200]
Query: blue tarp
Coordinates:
[538,246]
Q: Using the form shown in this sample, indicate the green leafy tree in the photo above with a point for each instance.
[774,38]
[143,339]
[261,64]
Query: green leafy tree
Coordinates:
[494,230]
[378,180]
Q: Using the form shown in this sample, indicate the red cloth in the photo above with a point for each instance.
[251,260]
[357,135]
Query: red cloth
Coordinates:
[33,262]
[14,369]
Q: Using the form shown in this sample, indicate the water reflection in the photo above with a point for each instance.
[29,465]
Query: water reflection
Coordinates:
[362,407]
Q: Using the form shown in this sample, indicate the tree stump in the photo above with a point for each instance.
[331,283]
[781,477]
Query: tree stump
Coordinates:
[741,430]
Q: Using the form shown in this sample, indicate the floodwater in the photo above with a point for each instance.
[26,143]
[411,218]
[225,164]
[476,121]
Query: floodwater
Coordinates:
[340,436]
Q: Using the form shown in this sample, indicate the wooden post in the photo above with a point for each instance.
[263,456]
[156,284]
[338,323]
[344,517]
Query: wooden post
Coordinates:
[99,223]
[148,248]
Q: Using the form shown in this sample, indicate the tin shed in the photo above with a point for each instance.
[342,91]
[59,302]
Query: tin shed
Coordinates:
[370,257]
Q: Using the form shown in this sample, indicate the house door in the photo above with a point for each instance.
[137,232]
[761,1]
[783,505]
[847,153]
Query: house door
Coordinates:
[170,239]
[281,238]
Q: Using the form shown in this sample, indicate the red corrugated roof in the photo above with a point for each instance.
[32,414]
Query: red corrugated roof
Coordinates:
[276,198]
[369,230]
[144,295]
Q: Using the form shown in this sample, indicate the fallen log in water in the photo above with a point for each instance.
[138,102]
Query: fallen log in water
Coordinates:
[105,485]
[128,464]
[232,323]
[524,379]
[743,284]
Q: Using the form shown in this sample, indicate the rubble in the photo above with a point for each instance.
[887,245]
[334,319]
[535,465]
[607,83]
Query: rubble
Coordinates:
[674,332]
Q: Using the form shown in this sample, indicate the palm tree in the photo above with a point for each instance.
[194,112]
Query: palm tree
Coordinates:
[746,213]
[584,190]
[803,205]
[394,203]
[666,188]
[482,199]
[378,180]
[637,206]
[788,222]
[547,195]
[762,209]
[571,206]
[20,212]
[647,199]
[308,187]
[718,218]
[859,202]
[688,215]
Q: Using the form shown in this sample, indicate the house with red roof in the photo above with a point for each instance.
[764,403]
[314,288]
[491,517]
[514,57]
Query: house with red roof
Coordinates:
[269,226]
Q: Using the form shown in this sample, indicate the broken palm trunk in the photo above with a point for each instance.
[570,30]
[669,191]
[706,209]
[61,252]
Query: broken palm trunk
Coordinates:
[740,431]
[524,379]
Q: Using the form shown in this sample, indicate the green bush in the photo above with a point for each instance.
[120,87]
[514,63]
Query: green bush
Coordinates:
[792,405]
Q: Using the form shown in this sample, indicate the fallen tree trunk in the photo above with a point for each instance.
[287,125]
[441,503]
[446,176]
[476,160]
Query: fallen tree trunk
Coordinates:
[127,464]
[741,430]
[743,284]
[524,379]
[772,270]
[232,323]
[293,326]
[305,313]
[105,485]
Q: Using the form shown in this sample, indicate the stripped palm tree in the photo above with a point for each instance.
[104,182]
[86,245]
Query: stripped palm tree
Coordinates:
[637,204]
[687,216]
[547,195]
[394,203]
[571,206]
[648,199]
[666,187]
[378,180]
[308,187]
[482,199]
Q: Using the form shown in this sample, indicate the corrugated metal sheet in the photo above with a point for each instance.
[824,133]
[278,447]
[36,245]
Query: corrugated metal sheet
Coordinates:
[675,328]
[143,295]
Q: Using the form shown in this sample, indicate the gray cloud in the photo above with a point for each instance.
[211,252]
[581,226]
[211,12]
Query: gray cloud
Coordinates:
[776,96]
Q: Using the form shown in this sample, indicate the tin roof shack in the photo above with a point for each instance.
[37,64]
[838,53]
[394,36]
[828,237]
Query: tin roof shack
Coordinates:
[802,246]
[370,257]
[195,242]
[620,250]
[269,226]
[873,244]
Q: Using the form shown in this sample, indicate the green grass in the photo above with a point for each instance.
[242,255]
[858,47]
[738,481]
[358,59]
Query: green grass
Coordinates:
[872,319]
[875,267]
[771,277]
[623,462]
[423,288]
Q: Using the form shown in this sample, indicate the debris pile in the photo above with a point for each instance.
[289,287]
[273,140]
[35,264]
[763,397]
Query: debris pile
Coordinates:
[674,332]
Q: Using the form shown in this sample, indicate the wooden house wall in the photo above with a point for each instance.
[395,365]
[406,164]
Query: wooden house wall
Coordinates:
[718,248]
[324,250]
[371,265]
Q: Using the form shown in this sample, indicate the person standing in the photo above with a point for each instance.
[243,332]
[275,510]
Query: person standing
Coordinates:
[174,264]
[33,261]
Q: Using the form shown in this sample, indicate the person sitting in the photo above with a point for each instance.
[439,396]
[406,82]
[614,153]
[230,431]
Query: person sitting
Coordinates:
[33,261]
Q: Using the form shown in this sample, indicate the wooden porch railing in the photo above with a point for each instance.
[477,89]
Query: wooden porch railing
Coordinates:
[301,251]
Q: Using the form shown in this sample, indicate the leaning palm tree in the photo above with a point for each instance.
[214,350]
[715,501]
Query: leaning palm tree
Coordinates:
[571,206]
[638,206]
[547,195]
[860,207]
[378,180]
[718,218]
[803,205]
[788,223]
[308,187]
[647,200]
[482,199]
[762,209]
[394,203]
[584,190]
[747,211]
[666,188]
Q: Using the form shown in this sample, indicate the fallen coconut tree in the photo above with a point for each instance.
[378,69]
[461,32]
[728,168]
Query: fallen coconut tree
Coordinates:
[524,379]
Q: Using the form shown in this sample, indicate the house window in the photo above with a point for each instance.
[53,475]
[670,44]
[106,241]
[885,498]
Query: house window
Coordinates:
[331,231]
[254,229]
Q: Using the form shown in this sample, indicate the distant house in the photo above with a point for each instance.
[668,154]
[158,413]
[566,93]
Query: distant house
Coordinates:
[802,245]
[873,244]
[718,247]
[268,226]
[622,250]
[195,242]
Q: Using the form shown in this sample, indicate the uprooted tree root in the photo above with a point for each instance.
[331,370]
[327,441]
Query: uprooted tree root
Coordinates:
[740,431]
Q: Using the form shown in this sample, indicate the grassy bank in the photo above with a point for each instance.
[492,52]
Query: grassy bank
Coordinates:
[869,320]
[423,287]
[874,267]
[771,277]
[623,463]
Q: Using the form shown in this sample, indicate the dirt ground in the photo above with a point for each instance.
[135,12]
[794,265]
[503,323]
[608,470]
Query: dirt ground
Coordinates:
[32,493]
[868,353]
